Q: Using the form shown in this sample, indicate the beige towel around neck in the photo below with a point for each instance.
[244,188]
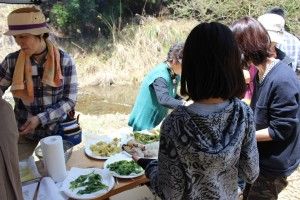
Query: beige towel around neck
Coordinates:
[22,85]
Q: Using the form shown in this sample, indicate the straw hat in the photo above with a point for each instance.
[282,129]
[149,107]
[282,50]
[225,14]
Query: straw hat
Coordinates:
[26,20]
[274,24]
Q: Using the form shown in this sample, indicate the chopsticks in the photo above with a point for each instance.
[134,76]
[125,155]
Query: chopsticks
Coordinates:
[31,181]
[37,190]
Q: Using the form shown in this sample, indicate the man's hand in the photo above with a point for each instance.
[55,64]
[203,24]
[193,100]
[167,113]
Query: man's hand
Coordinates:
[30,125]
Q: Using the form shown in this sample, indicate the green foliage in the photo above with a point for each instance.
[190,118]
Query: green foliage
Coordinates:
[76,17]
[91,18]
[61,15]
[85,18]
[227,11]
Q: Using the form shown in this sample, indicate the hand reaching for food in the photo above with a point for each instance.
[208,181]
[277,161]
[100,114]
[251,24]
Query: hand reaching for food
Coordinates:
[246,76]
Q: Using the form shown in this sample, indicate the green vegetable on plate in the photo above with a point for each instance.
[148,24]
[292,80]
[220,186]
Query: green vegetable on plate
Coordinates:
[91,183]
[125,167]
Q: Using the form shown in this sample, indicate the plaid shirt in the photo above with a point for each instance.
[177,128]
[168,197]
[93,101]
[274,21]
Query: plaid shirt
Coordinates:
[51,104]
[291,46]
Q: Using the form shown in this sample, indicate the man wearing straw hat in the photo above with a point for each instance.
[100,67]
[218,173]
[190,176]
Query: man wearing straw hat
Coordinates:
[42,77]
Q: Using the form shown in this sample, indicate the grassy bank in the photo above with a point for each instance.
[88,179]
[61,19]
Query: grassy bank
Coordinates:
[140,46]
[138,49]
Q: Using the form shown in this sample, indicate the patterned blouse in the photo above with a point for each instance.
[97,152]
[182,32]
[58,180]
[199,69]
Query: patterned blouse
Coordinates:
[50,104]
[201,156]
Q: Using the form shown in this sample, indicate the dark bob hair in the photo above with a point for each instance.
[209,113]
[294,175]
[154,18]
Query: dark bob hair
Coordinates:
[211,64]
[253,40]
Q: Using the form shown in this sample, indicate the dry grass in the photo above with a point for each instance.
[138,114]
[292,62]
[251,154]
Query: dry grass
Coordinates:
[7,44]
[139,49]
[227,11]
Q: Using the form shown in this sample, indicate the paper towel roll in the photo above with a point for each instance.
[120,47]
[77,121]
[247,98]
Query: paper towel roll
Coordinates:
[53,156]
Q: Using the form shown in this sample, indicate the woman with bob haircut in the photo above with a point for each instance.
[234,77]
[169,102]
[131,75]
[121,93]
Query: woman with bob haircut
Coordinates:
[158,92]
[204,146]
[275,103]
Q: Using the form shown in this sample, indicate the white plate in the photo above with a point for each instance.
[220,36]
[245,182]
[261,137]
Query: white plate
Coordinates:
[103,138]
[124,138]
[74,173]
[151,148]
[119,157]
[89,152]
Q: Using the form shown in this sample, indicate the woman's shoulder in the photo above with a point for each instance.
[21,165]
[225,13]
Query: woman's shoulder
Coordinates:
[283,69]
[234,104]
[64,54]
[159,71]
[13,55]
[160,68]
[242,105]
[178,114]
[66,58]
[282,75]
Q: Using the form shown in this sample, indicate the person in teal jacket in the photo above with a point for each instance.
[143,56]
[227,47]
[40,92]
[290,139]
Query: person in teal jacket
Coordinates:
[157,92]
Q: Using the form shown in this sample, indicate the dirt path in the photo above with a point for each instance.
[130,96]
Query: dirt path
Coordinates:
[292,192]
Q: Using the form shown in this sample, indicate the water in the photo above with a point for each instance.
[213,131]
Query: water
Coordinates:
[97,100]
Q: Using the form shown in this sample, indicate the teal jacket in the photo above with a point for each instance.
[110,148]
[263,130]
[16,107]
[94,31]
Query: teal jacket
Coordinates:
[147,112]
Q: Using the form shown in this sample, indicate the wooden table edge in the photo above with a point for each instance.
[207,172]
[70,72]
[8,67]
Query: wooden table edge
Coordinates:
[116,190]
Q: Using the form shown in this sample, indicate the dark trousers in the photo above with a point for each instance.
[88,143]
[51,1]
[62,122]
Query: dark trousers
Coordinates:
[265,188]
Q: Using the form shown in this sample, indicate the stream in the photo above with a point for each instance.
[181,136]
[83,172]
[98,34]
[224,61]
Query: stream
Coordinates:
[99,100]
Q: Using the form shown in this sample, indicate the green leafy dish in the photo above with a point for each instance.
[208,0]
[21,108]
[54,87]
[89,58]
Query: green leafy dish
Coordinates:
[91,183]
[87,183]
[121,165]
[125,168]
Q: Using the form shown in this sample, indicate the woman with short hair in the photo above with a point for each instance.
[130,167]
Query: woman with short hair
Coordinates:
[158,92]
[276,103]
[204,146]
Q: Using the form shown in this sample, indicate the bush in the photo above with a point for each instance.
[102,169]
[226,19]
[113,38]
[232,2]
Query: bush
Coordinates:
[85,18]
[76,17]
[227,11]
